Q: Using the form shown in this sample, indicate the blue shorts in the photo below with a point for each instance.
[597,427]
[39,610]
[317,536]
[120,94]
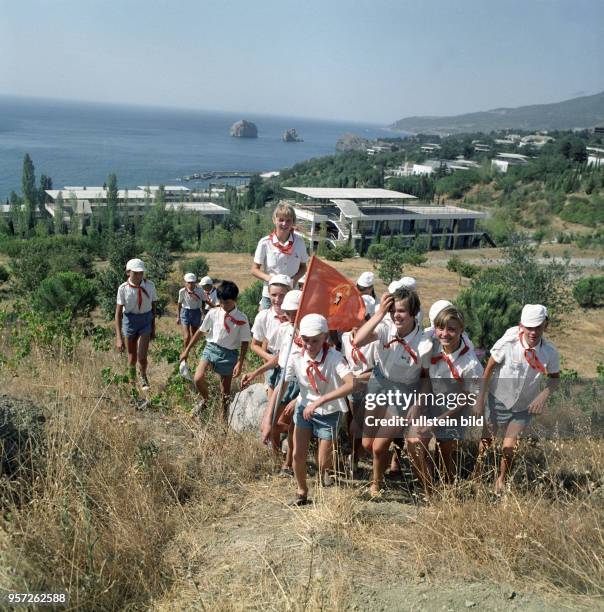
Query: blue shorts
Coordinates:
[222,359]
[500,416]
[448,432]
[190,316]
[135,325]
[324,427]
[272,377]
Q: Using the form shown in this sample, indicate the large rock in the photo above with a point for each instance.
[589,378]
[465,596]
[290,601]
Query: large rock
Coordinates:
[244,129]
[292,135]
[351,142]
[247,408]
[21,435]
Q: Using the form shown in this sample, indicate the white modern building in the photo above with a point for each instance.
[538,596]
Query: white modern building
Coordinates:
[595,156]
[359,215]
[503,161]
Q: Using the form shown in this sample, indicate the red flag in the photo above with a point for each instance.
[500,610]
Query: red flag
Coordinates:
[329,293]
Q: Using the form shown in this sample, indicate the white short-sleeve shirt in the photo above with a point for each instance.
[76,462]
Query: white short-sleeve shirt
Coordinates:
[353,359]
[192,300]
[515,382]
[283,340]
[333,369]
[266,325]
[463,361]
[128,296]
[210,299]
[275,262]
[396,363]
[217,332]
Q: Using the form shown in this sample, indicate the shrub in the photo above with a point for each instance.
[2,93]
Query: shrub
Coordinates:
[413,257]
[249,299]
[377,252]
[463,268]
[589,291]
[391,266]
[65,291]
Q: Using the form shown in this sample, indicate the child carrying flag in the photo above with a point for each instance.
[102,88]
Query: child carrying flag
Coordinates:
[521,362]
[228,336]
[135,318]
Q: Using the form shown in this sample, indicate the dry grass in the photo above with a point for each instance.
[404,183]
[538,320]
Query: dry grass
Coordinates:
[138,510]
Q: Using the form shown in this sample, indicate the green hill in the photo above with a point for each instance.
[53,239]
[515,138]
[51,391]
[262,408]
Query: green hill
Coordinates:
[583,112]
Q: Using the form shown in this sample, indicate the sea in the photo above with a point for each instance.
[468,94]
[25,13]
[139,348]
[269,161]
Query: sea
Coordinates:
[77,143]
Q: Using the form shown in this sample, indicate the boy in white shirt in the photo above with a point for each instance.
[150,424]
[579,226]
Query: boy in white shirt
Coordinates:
[325,380]
[191,299]
[209,293]
[281,252]
[135,318]
[228,336]
[520,363]
[266,326]
[453,369]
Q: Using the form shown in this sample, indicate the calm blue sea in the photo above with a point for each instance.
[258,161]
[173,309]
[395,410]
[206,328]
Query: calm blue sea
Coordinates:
[81,143]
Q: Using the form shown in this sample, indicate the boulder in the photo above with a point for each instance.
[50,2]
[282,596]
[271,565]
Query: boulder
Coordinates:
[21,435]
[351,142]
[291,135]
[247,408]
[244,129]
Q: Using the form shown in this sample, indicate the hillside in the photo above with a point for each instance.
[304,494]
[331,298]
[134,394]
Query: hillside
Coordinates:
[582,112]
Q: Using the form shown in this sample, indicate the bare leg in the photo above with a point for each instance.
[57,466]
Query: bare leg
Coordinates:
[418,454]
[510,443]
[325,455]
[132,348]
[225,392]
[301,442]
[447,449]
[143,349]
[200,378]
[380,461]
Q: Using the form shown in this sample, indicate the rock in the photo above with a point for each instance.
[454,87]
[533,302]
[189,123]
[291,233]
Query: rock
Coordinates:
[247,408]
[21,435]
[244,129]
[291,136]
[351,142]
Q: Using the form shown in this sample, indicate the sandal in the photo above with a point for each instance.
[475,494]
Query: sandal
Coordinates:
[300,500]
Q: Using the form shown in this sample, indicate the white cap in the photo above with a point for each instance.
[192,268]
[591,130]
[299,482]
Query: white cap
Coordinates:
[190,277]
[206,280]
[366,280]
[302,279]
[280,279]
[313,325]
[436,308]
[291,301]
[394,285]
[135,265]
[533,315]
[408,282]
[369,305]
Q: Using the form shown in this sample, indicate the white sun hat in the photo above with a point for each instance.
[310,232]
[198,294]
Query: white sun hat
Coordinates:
[206,280]
[313,325]
[369,305]
[533,315]
[291,301]
[366,279]
[280,279]
[394,285]
[190,277]
[436,308]
[408,282]
[135,265]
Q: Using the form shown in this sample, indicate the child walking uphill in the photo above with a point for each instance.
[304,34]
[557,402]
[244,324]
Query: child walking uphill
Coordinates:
[281,252]
[325,380]
[228,337]
[191,300]
[135,318]
[519,364]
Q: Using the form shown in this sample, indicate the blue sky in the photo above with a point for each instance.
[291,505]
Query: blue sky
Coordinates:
[365,60]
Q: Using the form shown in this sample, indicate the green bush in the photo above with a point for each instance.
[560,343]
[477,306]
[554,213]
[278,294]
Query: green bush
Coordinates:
[391,266]
[414,257]
[377,252]
[463,268]
[589,292]
[65,292]
[249,299]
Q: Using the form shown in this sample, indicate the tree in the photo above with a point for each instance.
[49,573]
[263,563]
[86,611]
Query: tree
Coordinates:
[65,291]
[112,203]
[45,183]
[30,194]
[391,266]
[59,222]
[16,214]
[158,225]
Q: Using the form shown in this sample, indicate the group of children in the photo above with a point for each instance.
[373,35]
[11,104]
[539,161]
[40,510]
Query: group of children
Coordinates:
[315,377]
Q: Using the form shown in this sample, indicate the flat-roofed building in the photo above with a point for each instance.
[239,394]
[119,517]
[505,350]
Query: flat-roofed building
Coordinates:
[360,215]
[503,161]
[595,156]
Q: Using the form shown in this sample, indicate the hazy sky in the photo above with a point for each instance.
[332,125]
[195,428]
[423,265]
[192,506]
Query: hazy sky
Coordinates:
[366,60]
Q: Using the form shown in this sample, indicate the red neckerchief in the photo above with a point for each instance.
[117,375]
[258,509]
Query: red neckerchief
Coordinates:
[229,317]
[409,350]
[140,289]
[357,355]
[192,293]
[530,354]
[314,366]
[288,248]
[449,362]
[280,317]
